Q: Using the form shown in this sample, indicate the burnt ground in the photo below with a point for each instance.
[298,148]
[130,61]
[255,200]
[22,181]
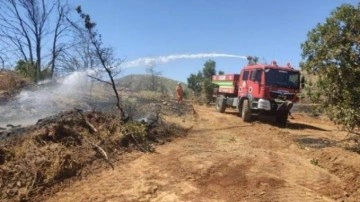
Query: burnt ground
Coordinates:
[38,160]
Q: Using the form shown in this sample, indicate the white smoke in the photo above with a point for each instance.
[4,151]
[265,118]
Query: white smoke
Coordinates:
[47,99]
[151,61]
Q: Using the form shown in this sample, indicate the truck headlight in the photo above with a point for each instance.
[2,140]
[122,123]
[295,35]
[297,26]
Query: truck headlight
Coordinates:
[264,104]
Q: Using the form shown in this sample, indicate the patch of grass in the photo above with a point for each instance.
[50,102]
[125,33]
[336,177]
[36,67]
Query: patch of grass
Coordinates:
[137,129]
[232,139]
[315,162]
[150,95]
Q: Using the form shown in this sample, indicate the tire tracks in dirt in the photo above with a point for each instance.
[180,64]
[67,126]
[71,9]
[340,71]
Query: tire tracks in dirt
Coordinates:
[221,159]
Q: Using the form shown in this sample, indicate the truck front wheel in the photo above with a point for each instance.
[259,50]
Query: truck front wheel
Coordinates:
[281,119]
[220,104]
[246,111]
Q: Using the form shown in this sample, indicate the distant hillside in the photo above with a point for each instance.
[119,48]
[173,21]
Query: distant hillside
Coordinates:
[144,82]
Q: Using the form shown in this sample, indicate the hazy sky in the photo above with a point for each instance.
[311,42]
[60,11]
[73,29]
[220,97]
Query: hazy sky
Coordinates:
[271,30]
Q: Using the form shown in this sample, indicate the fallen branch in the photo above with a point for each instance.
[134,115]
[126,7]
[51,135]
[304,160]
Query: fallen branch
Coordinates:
[30,187]
[100,151]
[138,144]
[86,122]
[141,148]
[193,109]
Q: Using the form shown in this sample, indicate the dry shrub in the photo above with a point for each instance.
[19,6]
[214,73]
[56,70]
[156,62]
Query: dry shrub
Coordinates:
[310,109]
[48,153]
[10,81]
[58,148]
[137,129]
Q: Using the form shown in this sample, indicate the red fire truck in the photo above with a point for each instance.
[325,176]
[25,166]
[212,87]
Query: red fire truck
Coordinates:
[259,89]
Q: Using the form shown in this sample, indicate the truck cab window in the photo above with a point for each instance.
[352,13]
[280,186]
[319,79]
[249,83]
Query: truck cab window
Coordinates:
[245,75]
[256,75]
[280,78]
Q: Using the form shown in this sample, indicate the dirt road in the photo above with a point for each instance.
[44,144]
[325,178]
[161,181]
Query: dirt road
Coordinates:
[225,159]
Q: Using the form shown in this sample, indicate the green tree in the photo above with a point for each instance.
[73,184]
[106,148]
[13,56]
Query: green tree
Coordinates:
[331,52]
[26,69]
[208,90]
[194,82]
[201,84]
[209,69]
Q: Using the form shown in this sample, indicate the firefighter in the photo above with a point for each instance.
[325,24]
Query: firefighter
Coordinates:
[179,93]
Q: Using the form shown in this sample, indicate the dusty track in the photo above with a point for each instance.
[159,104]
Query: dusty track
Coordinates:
[225,159]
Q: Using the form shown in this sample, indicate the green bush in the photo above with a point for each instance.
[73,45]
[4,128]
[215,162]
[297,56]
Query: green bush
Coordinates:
[27,69]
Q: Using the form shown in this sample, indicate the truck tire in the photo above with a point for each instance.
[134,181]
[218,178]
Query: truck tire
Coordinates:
[281,119]
[220,104]
[246,111]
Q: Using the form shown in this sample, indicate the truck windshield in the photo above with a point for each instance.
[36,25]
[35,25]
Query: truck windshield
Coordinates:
[282,78]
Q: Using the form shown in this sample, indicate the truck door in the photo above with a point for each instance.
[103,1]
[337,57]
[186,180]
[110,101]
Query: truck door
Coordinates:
[244,77]
[254,82]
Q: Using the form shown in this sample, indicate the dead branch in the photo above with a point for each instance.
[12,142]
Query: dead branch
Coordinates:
[100,151]
[86,122]
[105,56]
[97,148]
[93,77]
[137,143]
[31,186]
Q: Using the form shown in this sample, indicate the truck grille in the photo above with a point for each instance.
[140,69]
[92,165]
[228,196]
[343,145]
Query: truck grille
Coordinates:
[282,95]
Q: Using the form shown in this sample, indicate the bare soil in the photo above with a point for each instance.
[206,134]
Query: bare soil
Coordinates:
[224,159]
